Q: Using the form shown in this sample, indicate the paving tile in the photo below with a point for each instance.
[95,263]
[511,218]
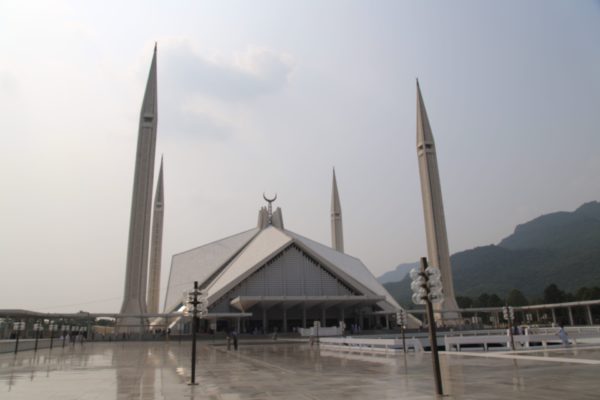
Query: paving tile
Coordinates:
[144,370]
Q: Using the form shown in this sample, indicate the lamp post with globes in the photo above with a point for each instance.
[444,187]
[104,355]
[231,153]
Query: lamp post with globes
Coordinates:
[65,331]
[198,302]
[52,328]
[37,327]
[509,315]
[18,327]
[427,287]
[401,321]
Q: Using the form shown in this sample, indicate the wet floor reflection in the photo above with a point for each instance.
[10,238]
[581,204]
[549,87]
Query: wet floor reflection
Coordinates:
[283,371]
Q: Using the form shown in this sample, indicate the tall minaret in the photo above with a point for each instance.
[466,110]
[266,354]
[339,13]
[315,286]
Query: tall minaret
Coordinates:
[337,235]
[433,208]
[156,245]
[134,299]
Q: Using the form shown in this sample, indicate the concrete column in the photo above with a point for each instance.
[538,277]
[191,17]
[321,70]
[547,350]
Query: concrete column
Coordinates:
[166,327]
[570,316]
[285,327]
[387,321]
[537,315]
[588,309]
[342,314]
[304,316]
[361,322]
[553,316]
[324,316]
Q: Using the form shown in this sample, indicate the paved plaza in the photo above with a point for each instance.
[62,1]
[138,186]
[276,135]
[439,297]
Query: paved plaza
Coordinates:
[285,370]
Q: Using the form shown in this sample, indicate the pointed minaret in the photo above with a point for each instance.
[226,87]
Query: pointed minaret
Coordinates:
[337,234]
[156,245]
[134,299]
[433,208]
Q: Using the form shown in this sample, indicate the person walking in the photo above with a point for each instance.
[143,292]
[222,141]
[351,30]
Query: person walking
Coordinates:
[562,334]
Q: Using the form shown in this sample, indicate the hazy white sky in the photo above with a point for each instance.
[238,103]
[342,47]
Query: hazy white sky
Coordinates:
[269,96]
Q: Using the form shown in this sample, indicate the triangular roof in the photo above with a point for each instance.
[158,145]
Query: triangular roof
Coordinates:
[221,265]
[268,243]
[348,267]
[200,263]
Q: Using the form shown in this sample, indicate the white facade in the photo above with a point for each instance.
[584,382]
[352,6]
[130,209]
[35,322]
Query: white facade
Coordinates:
[283,279]
[136,277]
[337,231]
[156,245]
[433,209]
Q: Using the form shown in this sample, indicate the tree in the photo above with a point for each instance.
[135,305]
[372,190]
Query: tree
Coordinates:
[516,298]
[464,301]
[552,294]
[483,300]
[586,293]
[488,300]
[495,301]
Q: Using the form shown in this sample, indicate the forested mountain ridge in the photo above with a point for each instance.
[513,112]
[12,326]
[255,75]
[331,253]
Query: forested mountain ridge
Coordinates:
[561,248]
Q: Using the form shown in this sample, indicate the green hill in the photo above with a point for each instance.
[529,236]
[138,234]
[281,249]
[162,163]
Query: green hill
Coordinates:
[561,248]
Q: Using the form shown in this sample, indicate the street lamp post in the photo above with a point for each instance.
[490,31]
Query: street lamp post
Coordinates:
[83,334]
[18,327]
[427,288]
[401,321]
[52,327]
[196,298]
[37,327]
[509,315]
[64,329]
[74,328]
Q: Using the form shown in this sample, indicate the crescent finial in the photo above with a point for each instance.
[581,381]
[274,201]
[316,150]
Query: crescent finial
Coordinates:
[269,200]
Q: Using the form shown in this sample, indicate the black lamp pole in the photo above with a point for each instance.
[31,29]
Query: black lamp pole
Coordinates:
[432,333]
[51,327]
[194,302]
[402,322]
[18,334]
[508,315]
[37,334]
[64,334]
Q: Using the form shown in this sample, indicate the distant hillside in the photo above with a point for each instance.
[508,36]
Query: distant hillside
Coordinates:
[398,273]
[561,248]
[569,231]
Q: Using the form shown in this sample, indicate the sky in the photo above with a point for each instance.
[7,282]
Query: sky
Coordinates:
[269,96]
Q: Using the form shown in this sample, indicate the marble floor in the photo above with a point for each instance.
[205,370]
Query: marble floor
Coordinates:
[146,370]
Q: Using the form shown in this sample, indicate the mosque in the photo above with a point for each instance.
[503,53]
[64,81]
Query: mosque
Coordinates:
[267,278]
[283,279]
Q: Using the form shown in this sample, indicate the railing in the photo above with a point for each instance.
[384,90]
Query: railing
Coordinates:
[544,336]
[8,346]
[371,345]
[321,331]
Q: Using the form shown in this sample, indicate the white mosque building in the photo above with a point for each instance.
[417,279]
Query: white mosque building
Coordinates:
[264,279]
[282,279]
